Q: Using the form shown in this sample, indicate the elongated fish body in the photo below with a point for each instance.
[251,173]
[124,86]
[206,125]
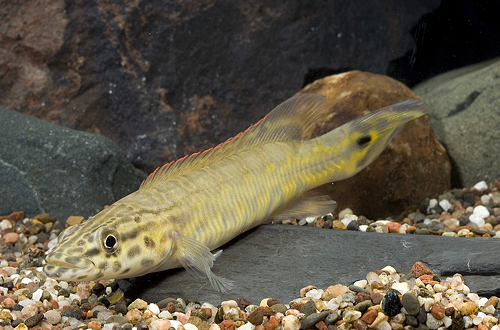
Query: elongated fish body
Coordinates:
[194,205]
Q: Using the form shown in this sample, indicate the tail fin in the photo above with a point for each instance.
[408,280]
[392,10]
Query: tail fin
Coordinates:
[359,142]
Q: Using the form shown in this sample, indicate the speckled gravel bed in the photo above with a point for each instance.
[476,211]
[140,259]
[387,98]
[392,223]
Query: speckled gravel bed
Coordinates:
[468,212]
[384,300]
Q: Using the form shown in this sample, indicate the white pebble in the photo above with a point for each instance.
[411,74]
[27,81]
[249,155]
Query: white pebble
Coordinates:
[363,228]
[37,295]
[247,326]
[165,315]
[482,302]
[391,270]
[478,220]
[432,322]
[26,280]
[401,287]
[5,263]
[487,199]
[228,304]
[384,325]
[302,222]
[290,322]
[26,302]
[5,224]
[481,186]
[361,283]
[63,284]
[174,324]
[154,308]
[345,211]
[52,243]
[495,327]
[310,219]
[314,293]
[432,203]
[481,211]
[445,204]
[189,326]
[108,290]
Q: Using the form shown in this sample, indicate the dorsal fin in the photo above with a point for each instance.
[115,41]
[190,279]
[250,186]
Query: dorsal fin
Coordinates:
[292,120]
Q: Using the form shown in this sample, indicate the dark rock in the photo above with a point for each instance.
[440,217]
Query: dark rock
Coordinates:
[33,320]
[279,308]
[308,308]
[414,149]
[48,168]
[310,320]
[481,270]
[422,316]
[391,304]
[98,289]
[332,319]
[15,323]
[363,305]
[465,103]
[410,303]
[242,303]
[121,307]
[71,312]
[353,225]
[411,320]
[167,79]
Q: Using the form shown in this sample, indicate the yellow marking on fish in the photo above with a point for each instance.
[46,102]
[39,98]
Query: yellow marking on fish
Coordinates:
[189,207]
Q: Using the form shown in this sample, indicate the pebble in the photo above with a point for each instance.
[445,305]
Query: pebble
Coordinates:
[410,303]
[10,238]
[310,320]
[139,304]
[391,304]
[53,317]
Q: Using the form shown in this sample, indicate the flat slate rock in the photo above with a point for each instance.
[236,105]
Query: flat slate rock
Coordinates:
[278,260]
[53,169]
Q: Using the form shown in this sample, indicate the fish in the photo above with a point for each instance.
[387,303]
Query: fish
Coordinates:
[188,208]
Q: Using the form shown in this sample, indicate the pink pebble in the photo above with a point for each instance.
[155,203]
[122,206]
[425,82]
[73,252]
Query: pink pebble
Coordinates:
[10,238]
[160,325]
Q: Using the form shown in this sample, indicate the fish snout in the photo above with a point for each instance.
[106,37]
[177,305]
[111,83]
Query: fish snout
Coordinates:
[63,267]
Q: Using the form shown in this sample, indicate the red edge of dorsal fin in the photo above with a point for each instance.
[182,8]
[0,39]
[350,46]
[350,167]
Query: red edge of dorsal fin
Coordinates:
[281,124]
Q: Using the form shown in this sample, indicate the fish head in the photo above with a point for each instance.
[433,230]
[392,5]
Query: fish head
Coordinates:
[116,243]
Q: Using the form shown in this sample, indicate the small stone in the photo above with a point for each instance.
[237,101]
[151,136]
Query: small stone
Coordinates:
[410,303]
[432,322]
[369,316]
[438,311]
[384,325]
[467,308]
[279,308]
[391,304]
[492,301]
[139,304]
[419,269]
[353,225]
[363,306]
[308,308]
[332,318]
[52,316]
[351,315]
[160,325]
[94,325]
[272,323]
[21,326]
[376,298]
[335,290]
[133,316]
[10,238]
[227,325]
[360,325]
[309,321]
[34,320]
[83,290]
[481,186]
[71,312]
[337,224]
[393,227]
[74,220]
[380,318]
[242,303]
[29,311]
[8,303]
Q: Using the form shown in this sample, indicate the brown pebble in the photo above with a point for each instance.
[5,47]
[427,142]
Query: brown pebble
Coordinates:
[335,290]
[492,301]
[74,220]
[272,323]
[393,227]
[320,222]
[411,230]
[376,298]
[242,303]
[438,311]
[361,296]
[227,325]
[296,306]
[16,216]
[259,327]
[256,317]
[369,316]
[272,301]
[481,326]
[360,325]
[321,325]
[206,313]
[419,269]
[449,311]
[94,325]
[170,307]
[10,238]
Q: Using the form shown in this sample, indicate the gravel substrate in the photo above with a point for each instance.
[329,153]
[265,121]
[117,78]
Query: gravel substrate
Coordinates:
[384,300]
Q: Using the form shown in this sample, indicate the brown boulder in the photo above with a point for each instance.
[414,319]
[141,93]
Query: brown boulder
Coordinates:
[412,167]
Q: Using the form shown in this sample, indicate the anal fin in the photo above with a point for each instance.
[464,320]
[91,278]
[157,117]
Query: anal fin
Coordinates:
[310,204]
[197,259]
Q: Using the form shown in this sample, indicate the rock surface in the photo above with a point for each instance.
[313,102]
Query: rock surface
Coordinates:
[466,119]
[48,168]
[278,260]
[412,167]
[165,79]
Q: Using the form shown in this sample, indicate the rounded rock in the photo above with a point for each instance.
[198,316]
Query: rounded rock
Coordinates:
[10,238]
[410,303]
[391,304]
[291,322]
[53,316]
[227,325]
[309,321]
[139,304]
[160,325]
[351,315]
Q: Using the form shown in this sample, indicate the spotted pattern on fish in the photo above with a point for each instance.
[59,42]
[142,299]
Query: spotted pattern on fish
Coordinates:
[191,206]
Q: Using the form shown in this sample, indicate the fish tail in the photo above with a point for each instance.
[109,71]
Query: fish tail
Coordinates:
[353,146]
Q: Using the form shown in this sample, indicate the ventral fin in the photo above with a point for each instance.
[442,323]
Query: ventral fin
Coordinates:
[310,204]
[292,120]
[197,259]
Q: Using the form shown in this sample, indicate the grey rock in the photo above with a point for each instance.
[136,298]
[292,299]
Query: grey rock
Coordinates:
[308,308]
[48,168]
[410,303]
[120,319]
[332,318]
[465,119]
[309,321]
[33,320]
[322,258]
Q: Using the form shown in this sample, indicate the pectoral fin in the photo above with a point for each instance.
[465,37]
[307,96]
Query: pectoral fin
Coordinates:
[309,204]
[197,259]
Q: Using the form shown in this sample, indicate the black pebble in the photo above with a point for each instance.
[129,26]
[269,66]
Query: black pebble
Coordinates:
[15,323]
[105,302]
[353,225]
[17,307]
[391,304]
[98,289]
[71,312]
[121,307]
[422,316]
[34,320]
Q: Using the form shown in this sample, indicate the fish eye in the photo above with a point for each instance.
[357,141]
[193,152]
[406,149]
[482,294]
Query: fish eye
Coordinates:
[109,241]
[362,141]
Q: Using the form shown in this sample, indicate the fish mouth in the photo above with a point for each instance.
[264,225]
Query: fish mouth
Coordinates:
[70,268]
